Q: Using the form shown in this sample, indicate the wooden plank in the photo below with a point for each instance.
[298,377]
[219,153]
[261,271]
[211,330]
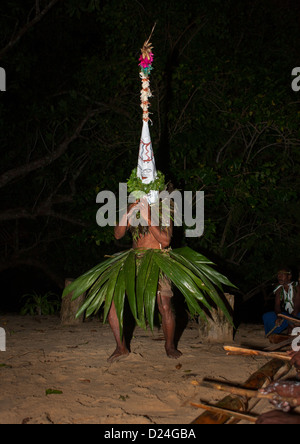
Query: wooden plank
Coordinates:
[279,345]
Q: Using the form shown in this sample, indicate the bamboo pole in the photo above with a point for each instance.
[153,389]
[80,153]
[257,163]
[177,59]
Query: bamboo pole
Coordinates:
[291,319]
[215,409]
[248,393]
[249,352]
[257,380]
[273,329]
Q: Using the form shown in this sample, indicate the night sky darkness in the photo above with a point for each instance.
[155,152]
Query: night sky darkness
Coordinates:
[225,120]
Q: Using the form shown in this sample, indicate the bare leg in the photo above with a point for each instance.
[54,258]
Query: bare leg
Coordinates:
[121,350]
[168,325]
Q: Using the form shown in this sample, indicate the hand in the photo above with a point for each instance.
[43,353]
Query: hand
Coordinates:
[283,389]
[276,417]
[278,322]
[132,209]
[144,208]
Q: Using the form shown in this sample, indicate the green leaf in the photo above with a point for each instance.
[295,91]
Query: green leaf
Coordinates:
[110,290]
[85,281]
[208,285]
[129,272]
[181,279]
[53,392]
[140,285]
[151,290]
[192,255]
[119,298]
[94,294]
[202,263]
[100,299]
[199,283]
[216,277]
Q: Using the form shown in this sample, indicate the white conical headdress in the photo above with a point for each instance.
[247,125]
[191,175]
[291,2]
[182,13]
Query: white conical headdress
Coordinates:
[146,169]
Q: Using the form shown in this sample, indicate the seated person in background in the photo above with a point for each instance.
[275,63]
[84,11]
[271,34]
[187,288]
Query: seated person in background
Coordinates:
[287,301]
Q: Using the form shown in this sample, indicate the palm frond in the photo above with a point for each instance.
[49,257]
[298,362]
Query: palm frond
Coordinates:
[119,298]
[150,293]
[208,284]
[129,276]
[85,281]
[135,274]
[143,261]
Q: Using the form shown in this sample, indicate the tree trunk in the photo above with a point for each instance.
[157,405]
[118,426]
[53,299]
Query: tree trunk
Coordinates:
[69,308]
[217,329]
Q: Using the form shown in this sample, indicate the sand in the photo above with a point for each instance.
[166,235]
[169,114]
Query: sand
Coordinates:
[54,374]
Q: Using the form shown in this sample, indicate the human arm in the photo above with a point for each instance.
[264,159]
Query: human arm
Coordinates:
[296,302]
[122,226]
[286,394]
[277,417]
[277,307]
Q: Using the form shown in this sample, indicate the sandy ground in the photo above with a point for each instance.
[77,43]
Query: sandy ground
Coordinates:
[145,388]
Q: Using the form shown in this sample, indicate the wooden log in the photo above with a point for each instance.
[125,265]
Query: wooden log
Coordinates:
[217,329]
[69,308]
[260,378]
[249,352]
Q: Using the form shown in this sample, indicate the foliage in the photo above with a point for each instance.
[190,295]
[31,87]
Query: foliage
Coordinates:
[40,304]
[138,188]
[136,273]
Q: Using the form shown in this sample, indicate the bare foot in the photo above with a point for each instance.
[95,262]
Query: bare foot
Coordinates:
[173,353]
[118,354]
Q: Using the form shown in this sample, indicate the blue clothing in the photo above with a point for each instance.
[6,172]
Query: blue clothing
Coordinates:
[270,320]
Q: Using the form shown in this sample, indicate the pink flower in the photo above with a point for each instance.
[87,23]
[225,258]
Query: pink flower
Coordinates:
[145,62]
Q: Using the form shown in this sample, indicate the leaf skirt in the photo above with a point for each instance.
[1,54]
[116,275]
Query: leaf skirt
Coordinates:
[134,274]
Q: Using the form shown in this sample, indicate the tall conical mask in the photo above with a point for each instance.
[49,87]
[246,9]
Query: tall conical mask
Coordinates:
[146,169]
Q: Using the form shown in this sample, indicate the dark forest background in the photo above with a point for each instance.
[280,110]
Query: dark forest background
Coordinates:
[225,121]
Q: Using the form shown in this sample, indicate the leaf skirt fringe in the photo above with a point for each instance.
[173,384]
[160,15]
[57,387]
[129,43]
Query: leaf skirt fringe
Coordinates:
[135,274]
